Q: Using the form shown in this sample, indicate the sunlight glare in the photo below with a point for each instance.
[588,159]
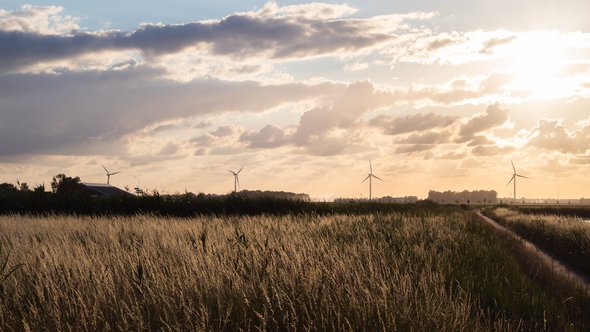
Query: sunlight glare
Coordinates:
[536,61]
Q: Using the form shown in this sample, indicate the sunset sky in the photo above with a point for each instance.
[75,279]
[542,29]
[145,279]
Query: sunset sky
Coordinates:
[437,94]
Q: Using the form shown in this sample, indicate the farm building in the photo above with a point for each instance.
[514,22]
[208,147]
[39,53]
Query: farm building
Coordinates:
[104,190]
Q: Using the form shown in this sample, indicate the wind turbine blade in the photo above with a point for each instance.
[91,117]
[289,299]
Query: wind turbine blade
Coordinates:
[238,180]
[368,176]
[232,172]
[104,168]
[513,166]
[240,169]
[370,167]
[115,173]
[376,177]
[522,176]
[512,178]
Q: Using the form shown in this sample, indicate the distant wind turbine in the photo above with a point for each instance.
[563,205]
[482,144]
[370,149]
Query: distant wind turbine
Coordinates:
[236,179]
[370,177]
[513,179]
[109,174]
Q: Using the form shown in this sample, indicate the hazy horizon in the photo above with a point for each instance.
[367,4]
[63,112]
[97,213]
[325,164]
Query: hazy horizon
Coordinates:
[439,96]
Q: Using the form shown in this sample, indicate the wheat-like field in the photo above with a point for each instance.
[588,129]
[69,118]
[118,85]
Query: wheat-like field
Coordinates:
[341,272]
[567,237]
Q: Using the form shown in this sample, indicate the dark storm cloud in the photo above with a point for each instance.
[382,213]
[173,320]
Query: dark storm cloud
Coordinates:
[87,112]
[236,35]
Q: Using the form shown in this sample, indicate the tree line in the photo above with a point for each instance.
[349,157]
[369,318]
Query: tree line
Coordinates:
[69,196]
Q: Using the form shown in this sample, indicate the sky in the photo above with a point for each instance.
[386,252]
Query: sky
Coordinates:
[437,95]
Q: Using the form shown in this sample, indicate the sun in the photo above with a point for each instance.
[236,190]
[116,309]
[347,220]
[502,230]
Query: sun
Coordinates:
[536,61]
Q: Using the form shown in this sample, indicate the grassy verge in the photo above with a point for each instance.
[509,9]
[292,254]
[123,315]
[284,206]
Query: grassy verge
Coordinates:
[342,272]
[566,237]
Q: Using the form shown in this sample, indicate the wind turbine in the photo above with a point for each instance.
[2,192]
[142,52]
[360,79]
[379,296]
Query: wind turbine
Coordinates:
[370,177]
[513,179]
[109,174]
[236,179]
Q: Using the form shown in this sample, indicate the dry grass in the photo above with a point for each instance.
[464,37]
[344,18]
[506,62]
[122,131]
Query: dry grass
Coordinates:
[372,272]
[567,237]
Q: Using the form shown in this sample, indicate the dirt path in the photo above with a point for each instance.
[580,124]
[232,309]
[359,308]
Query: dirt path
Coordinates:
[550,261]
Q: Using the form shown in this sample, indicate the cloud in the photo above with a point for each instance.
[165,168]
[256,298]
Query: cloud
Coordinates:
[554,166]
[223,131]
[422,141]
[409,149]
[88,112]
[203,140]
[44,20]
[358,98]
[479,140]
[356,66]
[580,160]
[426,131]
[491,150]
[328,129]
[426,138]
[458,91]
[169,149]
[440,42]
[311,11]
[494,116]
[162,128]
[268,137]
[489,45]
[457,47]
[452,156]
[292,32]
[550,134]
[410,123]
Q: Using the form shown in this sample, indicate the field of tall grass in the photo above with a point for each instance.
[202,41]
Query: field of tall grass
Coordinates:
[565,236]
[394,271]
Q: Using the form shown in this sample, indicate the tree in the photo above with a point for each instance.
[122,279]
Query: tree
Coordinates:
[23,186]
[70,195]
[7,187]
[62,184]
[39,188]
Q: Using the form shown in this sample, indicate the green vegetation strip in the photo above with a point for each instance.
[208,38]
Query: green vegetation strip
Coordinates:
[394,271]
[565,237]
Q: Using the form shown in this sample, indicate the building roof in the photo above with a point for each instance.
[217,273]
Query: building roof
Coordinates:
[103,189]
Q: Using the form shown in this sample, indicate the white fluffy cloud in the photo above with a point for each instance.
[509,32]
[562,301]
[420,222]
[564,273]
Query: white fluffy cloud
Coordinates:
[44,20]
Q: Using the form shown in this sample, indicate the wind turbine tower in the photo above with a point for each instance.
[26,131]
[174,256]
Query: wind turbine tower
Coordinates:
[370,177]
[236,179]
[109,173]
[513,179]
